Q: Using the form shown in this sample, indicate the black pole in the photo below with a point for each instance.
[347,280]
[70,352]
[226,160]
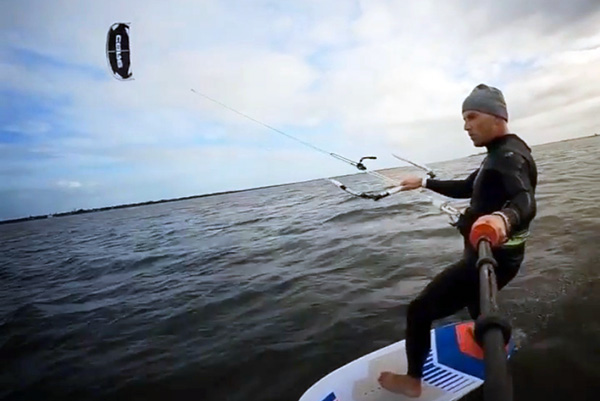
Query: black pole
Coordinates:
[493,331]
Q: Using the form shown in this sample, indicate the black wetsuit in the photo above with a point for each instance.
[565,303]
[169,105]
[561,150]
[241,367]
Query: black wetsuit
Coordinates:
[504,182]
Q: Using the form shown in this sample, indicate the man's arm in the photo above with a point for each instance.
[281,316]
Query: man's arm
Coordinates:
[453,188]
[520,208]
[513,174]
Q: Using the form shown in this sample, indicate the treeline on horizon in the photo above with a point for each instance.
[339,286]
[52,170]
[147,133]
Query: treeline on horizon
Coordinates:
[128,205]
[100,209]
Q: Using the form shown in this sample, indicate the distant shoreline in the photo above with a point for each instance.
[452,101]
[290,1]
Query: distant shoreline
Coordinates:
[548,143]
[130,205]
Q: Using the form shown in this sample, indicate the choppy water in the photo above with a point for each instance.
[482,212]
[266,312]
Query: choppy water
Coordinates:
[256,295]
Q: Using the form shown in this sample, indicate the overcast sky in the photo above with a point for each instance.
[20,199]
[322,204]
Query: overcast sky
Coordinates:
[351,77]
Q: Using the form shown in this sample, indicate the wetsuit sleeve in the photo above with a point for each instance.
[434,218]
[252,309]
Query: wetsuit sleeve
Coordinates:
[513,172]
[453,188]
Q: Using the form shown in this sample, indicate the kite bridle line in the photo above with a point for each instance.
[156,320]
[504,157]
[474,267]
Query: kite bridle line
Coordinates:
[395,185]
[118,58]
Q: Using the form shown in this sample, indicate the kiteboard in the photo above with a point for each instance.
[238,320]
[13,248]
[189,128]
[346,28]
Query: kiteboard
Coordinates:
[454,368]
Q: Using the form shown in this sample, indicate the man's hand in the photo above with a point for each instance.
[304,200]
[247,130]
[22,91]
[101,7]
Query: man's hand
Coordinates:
[411,182]
[491,227]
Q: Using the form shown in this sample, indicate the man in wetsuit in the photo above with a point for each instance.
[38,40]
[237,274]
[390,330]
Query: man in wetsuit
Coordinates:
[502,192]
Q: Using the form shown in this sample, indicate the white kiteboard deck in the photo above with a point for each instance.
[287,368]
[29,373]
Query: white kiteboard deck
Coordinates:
[454,368]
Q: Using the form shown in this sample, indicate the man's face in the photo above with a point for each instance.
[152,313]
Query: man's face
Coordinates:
[481,127]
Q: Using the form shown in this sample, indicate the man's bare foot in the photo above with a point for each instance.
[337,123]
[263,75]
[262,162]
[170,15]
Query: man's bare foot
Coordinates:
[400,384]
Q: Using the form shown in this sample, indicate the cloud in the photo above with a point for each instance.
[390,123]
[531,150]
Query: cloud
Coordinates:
[68,184]
[28,127]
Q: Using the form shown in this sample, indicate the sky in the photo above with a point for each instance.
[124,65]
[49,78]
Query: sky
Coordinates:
[355,78]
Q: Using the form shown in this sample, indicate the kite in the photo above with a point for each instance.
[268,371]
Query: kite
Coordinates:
[117,51]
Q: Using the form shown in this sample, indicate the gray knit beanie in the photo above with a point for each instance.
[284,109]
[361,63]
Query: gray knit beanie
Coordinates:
[486,99]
